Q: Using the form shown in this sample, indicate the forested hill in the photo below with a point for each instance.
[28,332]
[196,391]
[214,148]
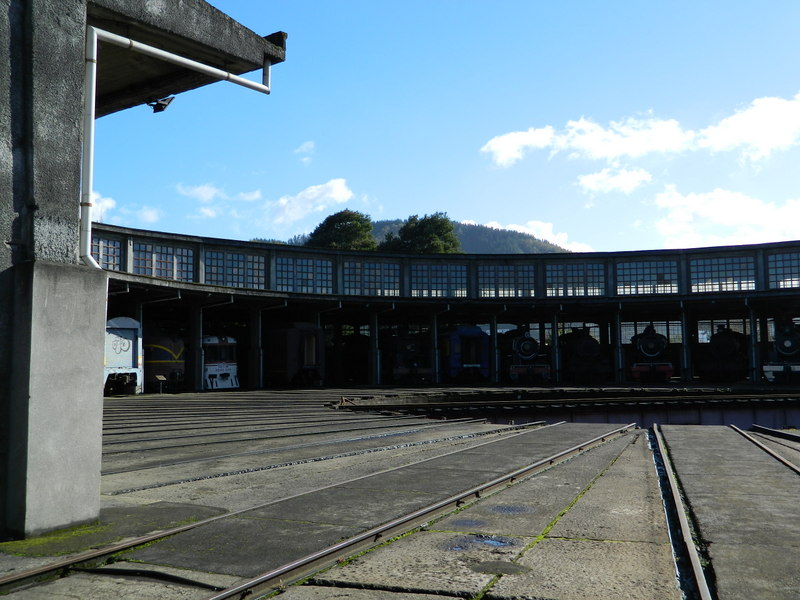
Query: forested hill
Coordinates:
[475,239]
[479,239]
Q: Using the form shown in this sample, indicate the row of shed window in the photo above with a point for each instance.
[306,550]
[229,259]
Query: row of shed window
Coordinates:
[316,275]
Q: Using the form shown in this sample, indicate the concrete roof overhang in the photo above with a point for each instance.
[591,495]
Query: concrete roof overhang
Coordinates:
[190,28]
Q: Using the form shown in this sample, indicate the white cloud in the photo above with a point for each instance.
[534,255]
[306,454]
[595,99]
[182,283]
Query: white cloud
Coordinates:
[767,125]
[314,199]
[538,229]
[543,231]
[306,150]
[250,196]
[631,138]
[607,180]
[205,193]
[723,217]
[147,214]
[207,212]
[508,148]
[102,207]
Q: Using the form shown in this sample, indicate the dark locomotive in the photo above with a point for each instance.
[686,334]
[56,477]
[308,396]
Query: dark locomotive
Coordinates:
[583,359]
[724,357]
[523,359]
[783,364]
[651,353]
[465,354]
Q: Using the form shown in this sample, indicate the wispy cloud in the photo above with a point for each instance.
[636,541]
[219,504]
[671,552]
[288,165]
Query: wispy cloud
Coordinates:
[249,196]
[306,151]
[102,207]
[205,192]
[149,215]
[608,180]
[509,148]
[313,199]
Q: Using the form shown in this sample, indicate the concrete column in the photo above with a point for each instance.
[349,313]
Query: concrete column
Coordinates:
[194,357]
[52,312]
[755,355]
[686,354]
[374,351]
[55,418]
[494,352]
[437,377]
[556,351]
[256,362]
[619,357]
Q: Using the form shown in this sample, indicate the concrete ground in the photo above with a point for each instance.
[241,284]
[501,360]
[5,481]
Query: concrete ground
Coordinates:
[591,527]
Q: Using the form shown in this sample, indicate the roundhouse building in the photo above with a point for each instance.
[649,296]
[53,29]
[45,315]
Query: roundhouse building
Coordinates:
[302,316]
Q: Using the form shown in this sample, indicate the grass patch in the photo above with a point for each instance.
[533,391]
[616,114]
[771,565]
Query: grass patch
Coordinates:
[55,543]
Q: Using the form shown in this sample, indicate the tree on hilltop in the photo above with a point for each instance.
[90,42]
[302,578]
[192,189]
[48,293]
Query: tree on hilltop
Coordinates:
[432,234]
[345,230]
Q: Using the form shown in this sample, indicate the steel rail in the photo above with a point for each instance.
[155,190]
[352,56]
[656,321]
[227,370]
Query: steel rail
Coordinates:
[786,462]
[686,532]
[253,434]
[786,435]
[94,556]
[311,563]
[250,453]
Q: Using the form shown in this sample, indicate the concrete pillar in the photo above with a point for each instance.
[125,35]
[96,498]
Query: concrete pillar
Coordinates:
[556,351]
[494,352]
[52,311]
[256,353]
[374,350]
[55,419]
[194,357]
[437,376]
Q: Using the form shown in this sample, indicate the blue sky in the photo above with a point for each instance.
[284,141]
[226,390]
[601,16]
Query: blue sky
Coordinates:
[597,126]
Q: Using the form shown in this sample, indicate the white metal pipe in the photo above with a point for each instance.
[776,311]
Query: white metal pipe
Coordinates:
[87,167]
[90,88]
[118,40]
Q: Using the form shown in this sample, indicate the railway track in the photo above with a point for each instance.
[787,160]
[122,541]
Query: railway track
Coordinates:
[735,496]
[781,445]
[496,455]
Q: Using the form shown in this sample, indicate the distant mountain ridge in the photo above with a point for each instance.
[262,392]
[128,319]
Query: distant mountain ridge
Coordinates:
[475,239]
[480,239]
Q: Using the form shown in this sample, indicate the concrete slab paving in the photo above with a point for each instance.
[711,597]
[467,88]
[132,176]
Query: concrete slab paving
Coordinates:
[238,491]
[580,569]
[115,524]
[242,547]
[431,562]
[310,592]
[346,505]
[82,586]
[529,506]
[114,483]
[624,504]
[554,567]
[748,523]
[765,576]
[740,518]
